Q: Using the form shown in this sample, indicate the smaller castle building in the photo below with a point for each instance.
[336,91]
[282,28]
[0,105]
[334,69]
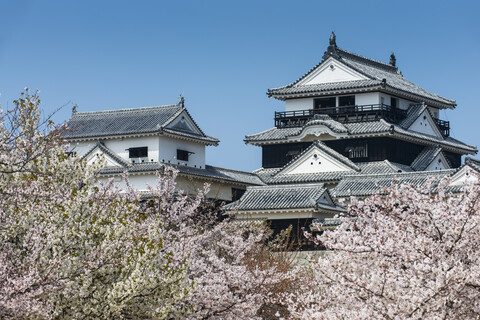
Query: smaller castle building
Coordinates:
[142,141]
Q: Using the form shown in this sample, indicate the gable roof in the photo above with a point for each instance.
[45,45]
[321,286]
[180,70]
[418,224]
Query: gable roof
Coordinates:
[413,112]
[382,76]
[100,146]
[123,122]
[324,149]
[306,196]
[473,163]
[426,156]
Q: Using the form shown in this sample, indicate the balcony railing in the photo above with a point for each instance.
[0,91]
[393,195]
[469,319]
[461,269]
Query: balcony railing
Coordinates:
[342,114]
[443,126]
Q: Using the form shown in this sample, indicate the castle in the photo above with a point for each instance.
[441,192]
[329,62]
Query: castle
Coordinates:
[351,126]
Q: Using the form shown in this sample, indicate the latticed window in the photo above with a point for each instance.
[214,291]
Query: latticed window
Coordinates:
[357,152]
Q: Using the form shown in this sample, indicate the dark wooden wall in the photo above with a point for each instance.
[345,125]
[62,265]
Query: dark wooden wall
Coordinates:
[379,149]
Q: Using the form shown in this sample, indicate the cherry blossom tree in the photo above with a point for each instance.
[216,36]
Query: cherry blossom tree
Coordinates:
[409,254]
[226,262]
[71,248]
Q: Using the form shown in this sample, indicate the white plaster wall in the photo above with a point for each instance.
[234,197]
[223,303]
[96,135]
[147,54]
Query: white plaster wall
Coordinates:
[465,177]
[435,165]
[168,152]
[367,98]
[299,104]
[81,148]
[121,146]
[220,191]
[159,149]
[332,72]
[404,104]
[321,163]
[423,125]
[95,156]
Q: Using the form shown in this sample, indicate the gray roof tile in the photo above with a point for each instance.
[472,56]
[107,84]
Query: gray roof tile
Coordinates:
[382,167]
[207,172]
[358,129]
[376,71]
[108,152]
[120,122]
[365,185]
[128,121]
[426,156]
[414,111]
[325,88]
[473,163]
[281,197]
[269,178]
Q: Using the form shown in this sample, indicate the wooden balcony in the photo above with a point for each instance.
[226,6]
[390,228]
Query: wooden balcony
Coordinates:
[342,114]
[443,126]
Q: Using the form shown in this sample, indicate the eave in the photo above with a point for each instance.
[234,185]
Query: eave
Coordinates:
[375,88]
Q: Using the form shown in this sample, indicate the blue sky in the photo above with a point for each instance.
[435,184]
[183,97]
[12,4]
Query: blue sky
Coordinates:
[224,55]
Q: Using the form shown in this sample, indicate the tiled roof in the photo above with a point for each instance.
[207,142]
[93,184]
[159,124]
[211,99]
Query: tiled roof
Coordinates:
[414,111]
[329,151]
[326,120]
[207,172]
[126,122]
[108,152]
[382,167]
[269,176]
[325,223]
[473,163]
[325,88]
[394,79]
[375,71]
[359,129]
[281,197]
[426,156]
[365,185]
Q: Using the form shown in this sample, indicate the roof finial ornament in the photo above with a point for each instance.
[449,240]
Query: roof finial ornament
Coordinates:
[333,39]
[393,60]
[182,100]
[74,109]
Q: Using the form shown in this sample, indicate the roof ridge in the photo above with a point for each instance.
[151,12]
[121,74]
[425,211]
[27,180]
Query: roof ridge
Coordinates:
[412,173]
[232,170]
[343,82]
[125,110]
[373,62]
[292,185]
[324,148]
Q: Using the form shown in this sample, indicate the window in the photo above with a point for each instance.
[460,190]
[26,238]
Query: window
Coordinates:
[393,102]
[323,103]
[182,155]
[357,152]
[141,152]
[237,193]
[346,101]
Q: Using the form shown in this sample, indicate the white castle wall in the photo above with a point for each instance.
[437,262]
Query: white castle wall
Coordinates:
[159,149]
